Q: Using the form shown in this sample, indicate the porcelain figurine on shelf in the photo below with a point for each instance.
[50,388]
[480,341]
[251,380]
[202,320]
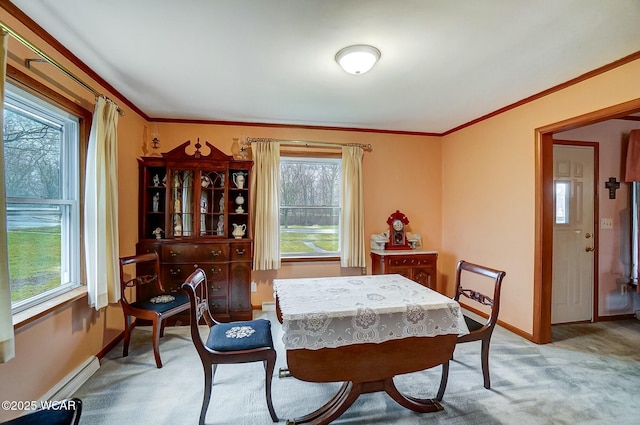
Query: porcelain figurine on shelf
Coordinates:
[177,225]
[220,229]
[157,233]
[156,180]
[156,202]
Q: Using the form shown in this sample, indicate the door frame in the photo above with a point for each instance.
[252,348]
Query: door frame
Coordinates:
[543,240]
[596,217]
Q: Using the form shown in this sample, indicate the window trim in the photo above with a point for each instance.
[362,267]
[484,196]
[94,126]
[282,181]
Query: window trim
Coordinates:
[84,117]
[312,154]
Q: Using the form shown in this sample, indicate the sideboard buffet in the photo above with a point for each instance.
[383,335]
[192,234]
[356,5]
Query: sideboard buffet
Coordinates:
[417,265]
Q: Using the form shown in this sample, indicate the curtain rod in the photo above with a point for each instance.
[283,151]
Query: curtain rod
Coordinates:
[56,64]
[308,143]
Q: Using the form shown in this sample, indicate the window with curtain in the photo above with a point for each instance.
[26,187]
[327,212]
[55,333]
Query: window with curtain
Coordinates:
[41,150]
[310,206]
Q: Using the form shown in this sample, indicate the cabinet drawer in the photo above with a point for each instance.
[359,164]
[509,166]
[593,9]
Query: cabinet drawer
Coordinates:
[176,274]
[217,305]
[212,252]
[411,261]
[240,252]
[177,253]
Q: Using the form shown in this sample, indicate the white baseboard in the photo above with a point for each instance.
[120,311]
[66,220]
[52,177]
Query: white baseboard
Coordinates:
[73,381]
[269,306]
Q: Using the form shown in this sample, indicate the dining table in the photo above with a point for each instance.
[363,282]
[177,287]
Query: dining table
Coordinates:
[363,331]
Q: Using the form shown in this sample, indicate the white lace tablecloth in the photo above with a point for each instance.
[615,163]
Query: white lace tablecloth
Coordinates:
[337,311]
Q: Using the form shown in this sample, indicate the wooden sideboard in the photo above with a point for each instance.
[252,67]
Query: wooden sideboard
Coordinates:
[417,265]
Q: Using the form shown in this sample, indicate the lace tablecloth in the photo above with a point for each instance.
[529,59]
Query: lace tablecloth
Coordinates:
[337,311]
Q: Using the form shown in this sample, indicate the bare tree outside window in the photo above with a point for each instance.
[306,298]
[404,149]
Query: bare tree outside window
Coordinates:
[40,150]
[309,206]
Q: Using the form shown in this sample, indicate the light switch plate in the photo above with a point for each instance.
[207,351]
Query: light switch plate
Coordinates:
[606,223]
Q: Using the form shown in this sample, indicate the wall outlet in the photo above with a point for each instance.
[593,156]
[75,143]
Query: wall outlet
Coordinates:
[254,287]
[606,223]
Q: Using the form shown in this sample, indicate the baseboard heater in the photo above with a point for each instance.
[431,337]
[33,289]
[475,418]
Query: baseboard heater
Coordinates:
[73,381]
[269,306]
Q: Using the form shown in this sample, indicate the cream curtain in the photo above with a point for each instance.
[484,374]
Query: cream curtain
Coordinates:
[101,207]
[352,232]
[266,205]
[7,347]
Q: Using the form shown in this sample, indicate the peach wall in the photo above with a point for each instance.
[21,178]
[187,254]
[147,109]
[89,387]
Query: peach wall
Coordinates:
[470,195]
[489,185]
[50,348]
[613,244]
[401,172]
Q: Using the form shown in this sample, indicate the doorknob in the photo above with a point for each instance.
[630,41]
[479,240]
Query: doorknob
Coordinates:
[589,248]
[587,235]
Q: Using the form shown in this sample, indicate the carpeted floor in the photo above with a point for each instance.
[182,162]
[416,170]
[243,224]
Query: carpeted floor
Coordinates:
[590,375]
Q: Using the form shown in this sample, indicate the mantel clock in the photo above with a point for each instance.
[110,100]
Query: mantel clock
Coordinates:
[397,231]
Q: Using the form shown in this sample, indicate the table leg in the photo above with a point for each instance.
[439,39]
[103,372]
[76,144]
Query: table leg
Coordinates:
[421,405]
[344,398]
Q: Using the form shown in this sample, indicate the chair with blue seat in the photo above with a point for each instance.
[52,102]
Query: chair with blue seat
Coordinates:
[477,331]
[227,343]
[156,308]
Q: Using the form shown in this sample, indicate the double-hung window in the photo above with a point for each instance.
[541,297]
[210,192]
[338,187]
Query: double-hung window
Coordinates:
[310,207]
[41,151]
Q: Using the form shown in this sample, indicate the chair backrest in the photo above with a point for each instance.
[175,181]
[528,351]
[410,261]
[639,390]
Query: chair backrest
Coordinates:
[150,274]
[462,290]
[196,288]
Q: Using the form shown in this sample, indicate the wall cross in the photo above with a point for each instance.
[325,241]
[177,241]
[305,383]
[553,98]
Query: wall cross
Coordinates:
[612,185]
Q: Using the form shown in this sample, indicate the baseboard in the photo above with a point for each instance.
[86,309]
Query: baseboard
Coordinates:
[269,306]
[73,381]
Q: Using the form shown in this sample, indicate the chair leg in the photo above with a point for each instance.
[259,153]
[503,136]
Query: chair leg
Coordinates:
[443,381]
[163,324]
[269,365]
[156,342]
[485,362]
[127,335]
[209,373]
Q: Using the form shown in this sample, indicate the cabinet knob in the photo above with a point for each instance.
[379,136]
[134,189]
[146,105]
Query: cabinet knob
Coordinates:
[174,272]
[195,266]
[216,271]
[173,254]
[216,253]
[240,251]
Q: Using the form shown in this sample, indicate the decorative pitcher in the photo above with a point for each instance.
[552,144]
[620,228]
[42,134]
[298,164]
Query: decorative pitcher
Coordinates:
[238,230]
[238,180]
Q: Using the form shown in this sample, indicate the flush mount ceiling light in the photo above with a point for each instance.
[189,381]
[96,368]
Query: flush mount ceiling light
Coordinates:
[357,59]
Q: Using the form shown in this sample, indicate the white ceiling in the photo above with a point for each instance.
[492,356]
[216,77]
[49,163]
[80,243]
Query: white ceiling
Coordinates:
[444,62]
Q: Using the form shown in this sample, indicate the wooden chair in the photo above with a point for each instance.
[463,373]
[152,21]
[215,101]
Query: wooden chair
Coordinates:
[64,412]
[156,308]
[227,343]
[477,331]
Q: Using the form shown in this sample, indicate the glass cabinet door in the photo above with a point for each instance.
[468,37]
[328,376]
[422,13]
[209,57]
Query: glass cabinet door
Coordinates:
[212,203]
[182,193]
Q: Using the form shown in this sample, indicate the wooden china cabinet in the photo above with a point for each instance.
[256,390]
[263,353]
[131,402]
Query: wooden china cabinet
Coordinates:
[194,212]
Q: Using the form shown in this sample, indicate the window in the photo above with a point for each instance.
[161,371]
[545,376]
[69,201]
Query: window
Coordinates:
[310,207]
[41,145]
[562,201]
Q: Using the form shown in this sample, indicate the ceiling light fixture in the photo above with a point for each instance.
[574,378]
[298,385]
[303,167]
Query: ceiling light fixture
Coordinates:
[357,59]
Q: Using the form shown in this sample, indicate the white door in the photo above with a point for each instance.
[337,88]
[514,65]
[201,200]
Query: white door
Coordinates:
[573,239]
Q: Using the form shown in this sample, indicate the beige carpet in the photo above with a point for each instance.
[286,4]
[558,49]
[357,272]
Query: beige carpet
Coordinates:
[589,376]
